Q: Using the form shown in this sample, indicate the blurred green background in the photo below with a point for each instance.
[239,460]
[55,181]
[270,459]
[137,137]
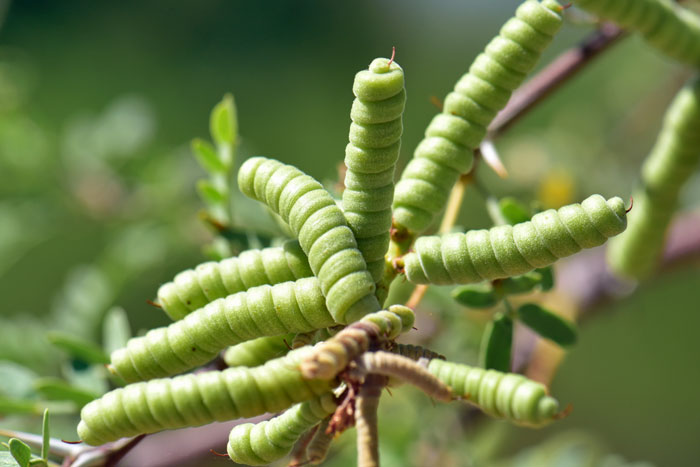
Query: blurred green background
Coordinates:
[98,103]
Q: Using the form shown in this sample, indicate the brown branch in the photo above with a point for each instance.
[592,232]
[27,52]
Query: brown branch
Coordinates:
[553,76]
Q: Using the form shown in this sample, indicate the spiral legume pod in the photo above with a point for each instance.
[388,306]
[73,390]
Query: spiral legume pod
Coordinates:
[671,28]
[370,157]
[504,395]
[265,442]
[198,399]
[505,250]
[193,288]
[447,149]
[323,234]
[673,159]
[261,311]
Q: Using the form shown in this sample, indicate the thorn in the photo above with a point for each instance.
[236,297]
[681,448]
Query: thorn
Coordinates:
[72,442]
[567,6]
[218,453]
[152,303]
[490,155]
[631,205]
[393,54]
[414,328]
[289,347]
[436,102]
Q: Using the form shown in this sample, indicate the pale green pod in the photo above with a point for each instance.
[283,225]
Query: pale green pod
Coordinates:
[265,442]
[194,288]
[452,136]
[506,251]
[369,188]
[667,26]
[258,351]
[197,399]
[671,162]
[332,356]
[289,307]
[323,233]
[503,395]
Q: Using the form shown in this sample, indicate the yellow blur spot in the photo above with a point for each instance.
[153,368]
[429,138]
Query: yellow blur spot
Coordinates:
[557,189]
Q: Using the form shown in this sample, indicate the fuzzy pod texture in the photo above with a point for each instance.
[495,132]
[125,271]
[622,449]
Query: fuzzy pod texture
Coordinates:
[289,307]
[671,162]
[198,399]
[318,448]
[323,232]
[193,288]
[370,158]
[504,395]
[667,26]
[265,442]
[504,250]
[453,135]
[415,352]
[406,370]
[258,351]
[333,355]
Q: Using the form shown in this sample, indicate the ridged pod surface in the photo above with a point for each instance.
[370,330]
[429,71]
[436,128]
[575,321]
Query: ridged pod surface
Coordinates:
[672,161]
[452,136]
[370,158]
[265,442]
[505,250]
[193,288]
[258,351]
[672,29]
[415,352]
[198,399]
[260,311]
[504,395]
[333,355]
[323,233]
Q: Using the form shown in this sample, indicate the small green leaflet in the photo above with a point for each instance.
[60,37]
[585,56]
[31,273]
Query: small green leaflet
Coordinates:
[206,155]
[513,211]
[223,122]
[496,344]
[79,348]
[59,390]
[548,324]
[116,331]
[475,296]
[46,437]
[20,451]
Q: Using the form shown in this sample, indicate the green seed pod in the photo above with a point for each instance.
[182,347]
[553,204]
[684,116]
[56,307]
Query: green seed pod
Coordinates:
[198,399]
[506,250]
[332,356]
[505,395]
[261,311]
[265,442]
[671,162]
[194,288]
[447,150]
[258,351]
[371,155]
[323,233]
[672,29]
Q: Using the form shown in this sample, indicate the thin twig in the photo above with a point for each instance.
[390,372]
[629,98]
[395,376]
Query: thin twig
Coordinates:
[366,421]
[553,76]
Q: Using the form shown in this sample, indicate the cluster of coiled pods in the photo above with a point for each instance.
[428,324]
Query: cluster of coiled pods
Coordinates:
[299,320]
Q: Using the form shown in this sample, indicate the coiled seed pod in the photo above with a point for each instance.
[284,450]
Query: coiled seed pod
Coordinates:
[196,339]
[370,157]
[506,250]
[265,442]
[323,233]
[505,395]
[670,28]
[330,357]
[404,369]
[194,288]
[258,351]
[447,150]
[415,352]
[198,399]
[672,160]
[318,448]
